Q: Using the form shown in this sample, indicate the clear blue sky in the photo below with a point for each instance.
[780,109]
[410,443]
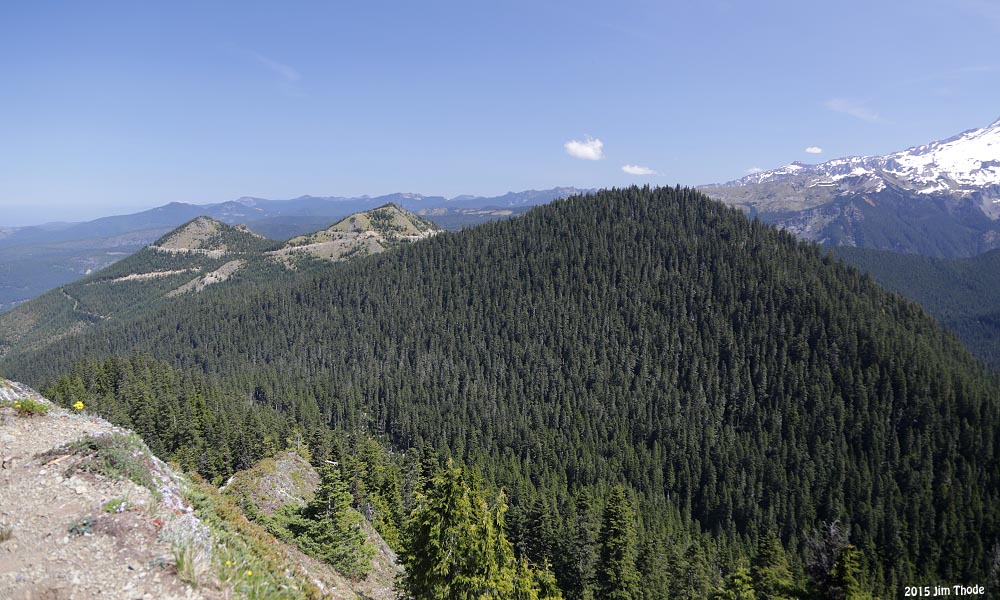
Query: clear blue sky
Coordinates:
[110,107]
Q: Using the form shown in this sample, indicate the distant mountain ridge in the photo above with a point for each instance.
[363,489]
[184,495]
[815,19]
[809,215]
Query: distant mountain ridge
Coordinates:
[361,234]
[39,258]
[201,253]
[964,164]
[939,199]
[412,201]
[248,210]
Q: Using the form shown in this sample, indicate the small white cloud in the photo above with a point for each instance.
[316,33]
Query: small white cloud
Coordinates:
[282,70]
[589,150]
[637,170]
[853,108]
[754,170]
[814,150]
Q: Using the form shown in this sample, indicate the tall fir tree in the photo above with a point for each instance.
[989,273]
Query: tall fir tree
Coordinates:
[617,575]
[456,547]
[738,586]
[334,531]
[771,575]
[845,576]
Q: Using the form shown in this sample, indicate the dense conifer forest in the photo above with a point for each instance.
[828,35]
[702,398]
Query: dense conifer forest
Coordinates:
[963,294]
[677,401]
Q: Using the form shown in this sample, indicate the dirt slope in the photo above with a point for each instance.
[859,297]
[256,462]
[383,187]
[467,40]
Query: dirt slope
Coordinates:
[80,534]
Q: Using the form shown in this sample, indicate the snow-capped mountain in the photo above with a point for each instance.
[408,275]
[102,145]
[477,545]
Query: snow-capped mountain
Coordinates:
[963,164]
[900,201]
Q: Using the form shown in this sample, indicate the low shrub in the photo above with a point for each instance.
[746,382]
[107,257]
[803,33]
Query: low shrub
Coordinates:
[27,407]
[113,455]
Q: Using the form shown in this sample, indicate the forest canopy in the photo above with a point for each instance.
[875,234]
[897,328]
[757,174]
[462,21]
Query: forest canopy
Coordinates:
[743,387]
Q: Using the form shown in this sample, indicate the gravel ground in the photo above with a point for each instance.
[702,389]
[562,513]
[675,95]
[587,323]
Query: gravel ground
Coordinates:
[117,555]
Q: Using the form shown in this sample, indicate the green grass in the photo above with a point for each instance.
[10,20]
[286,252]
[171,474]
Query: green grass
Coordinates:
[189,562]
[247,559]
[115,506]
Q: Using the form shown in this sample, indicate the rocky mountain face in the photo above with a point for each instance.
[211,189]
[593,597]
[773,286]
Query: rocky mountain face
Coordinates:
[87,511]
[940,199]
[288,480]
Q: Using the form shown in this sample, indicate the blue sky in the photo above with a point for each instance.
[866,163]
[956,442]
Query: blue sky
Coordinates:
[110,107]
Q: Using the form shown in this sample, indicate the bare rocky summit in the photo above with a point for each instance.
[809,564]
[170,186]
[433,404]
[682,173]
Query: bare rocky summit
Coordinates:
[203,235]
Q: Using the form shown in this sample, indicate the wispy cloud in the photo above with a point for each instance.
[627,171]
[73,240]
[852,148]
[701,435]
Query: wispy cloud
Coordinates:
[590,149]
[754,170]
[853,108]
[637,170]
[814,150]
[983,9]
[282,70]
[979,69]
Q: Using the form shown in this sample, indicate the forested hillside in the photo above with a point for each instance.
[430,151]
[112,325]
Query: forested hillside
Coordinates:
[963,294]
[194,257]
[743,386]
[198,254]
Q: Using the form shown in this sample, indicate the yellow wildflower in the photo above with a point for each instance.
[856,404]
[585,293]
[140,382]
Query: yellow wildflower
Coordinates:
[249,573]
[229,563]
[78,405]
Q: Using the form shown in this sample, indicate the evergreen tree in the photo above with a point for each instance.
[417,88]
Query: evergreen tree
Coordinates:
[617,576]
[692,578]
[771,575]
[456,547]
[545,582]
[540,530]
[334,532]
[579,551]
[738,586]
[845,576]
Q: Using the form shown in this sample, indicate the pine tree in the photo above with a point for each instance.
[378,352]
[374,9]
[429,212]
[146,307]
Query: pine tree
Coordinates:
[457,548]
[524,585]
[437,530]
[845,576]
[545,582]
[617,575]
[540,530]
[738,586]
[334,532]
[694,579]
[772,578]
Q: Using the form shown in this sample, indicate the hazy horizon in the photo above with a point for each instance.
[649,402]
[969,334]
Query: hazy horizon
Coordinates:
[119,107]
